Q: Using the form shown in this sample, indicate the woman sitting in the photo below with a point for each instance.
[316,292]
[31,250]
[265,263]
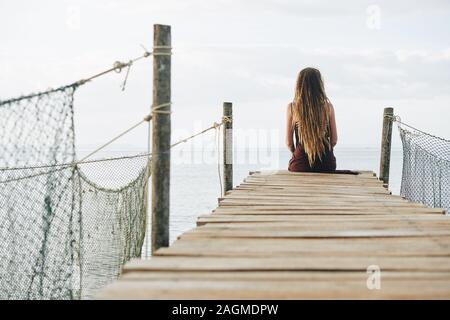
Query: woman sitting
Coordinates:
[311,121]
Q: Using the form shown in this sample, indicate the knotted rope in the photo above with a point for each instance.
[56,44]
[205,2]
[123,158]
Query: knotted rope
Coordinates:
[118,66]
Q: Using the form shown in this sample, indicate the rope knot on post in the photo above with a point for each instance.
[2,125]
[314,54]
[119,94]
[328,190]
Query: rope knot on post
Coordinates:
[157,109]
[396,119]
[162,50]
[226,119]
[393,118]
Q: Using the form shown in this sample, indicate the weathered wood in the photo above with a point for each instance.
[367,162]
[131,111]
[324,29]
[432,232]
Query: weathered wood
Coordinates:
[337,288]
[280,275]
[323,210]
[286,233]
[161,136]
[228,147]
[331,218]
[332,225]
[324,263]
[386,138]
[281,247]
[301,235]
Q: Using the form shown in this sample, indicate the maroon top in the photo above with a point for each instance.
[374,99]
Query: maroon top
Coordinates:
[299,161]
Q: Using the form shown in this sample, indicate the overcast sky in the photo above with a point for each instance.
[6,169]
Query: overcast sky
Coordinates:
[372,54]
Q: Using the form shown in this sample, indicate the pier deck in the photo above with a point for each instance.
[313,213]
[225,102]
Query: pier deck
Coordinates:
[283,235]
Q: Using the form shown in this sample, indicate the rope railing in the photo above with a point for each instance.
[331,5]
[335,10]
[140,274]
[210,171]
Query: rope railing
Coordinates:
[442,152]
[69,225]
[84,160]
[215,125]
[426,166]
[399,121]
[96,207]
[117,67]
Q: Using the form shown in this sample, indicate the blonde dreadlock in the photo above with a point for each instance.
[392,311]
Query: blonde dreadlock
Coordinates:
[310,113]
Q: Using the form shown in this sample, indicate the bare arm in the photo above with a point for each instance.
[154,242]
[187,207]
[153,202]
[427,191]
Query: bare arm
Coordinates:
[333,129]
[289,130]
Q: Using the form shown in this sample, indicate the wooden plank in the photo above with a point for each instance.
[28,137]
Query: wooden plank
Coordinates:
[327,210]
[437,246]
[320,233]
[319,263]
[337,289]
[240,194]
[440,224]
[281,275]
[313,190]
[324,203]
[244,218]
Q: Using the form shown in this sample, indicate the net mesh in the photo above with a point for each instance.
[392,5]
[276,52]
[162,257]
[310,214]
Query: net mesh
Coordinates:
[426,168]
[65,229]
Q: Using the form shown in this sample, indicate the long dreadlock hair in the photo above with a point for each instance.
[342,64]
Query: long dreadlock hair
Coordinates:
[310,113]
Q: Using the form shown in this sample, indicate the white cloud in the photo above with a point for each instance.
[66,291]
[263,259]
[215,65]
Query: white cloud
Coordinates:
[423,55]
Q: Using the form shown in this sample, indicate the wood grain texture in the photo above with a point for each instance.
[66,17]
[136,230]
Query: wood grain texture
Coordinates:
[281,235]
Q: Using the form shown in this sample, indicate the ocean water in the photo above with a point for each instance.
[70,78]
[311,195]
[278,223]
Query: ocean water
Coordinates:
[195,187]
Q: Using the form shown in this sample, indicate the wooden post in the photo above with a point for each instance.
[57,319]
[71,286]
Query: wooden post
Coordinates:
[386,138]
[161,136]
[228,147]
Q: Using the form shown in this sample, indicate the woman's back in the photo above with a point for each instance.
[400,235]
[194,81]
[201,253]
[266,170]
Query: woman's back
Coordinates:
[311,120]
[300,162]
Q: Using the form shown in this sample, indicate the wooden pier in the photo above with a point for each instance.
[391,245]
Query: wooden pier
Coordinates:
[282,235]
